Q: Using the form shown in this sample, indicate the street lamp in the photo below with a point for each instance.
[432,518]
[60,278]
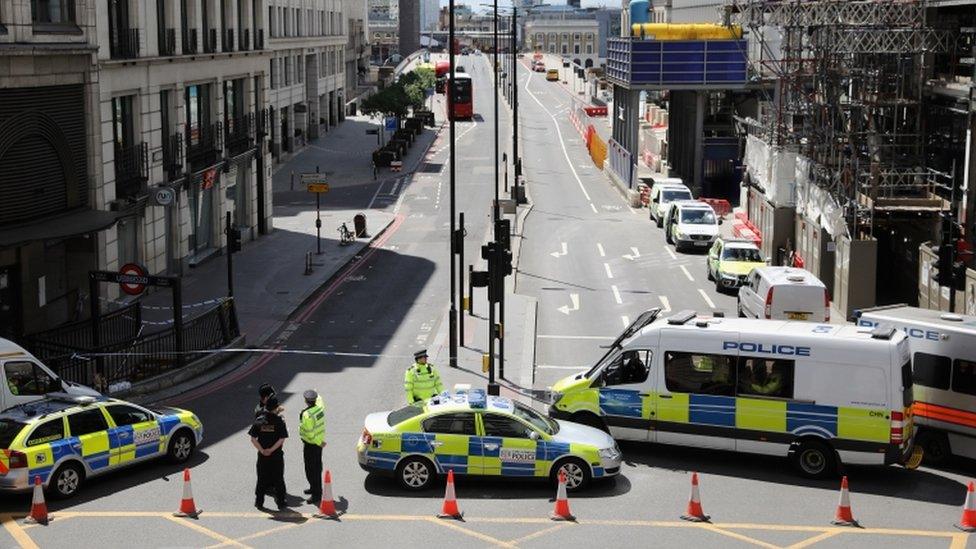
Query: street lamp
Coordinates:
[452,316]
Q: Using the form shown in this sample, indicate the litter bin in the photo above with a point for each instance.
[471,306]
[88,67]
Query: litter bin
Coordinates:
[359,224]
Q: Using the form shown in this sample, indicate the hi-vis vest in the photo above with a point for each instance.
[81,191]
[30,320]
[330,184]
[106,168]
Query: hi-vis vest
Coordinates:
[421,382]
[311,428]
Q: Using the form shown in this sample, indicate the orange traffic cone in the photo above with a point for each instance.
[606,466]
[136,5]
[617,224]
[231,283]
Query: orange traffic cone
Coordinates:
[450,508]
[844,517]
[187,507]
[327,508]
[561,512]
[968,521]
[694,512]
[38,512]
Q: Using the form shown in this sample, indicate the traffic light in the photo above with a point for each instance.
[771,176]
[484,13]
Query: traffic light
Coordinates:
[234,240]
[503,233]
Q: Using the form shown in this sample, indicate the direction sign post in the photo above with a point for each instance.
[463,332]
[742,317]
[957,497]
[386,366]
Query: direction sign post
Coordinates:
[316,183]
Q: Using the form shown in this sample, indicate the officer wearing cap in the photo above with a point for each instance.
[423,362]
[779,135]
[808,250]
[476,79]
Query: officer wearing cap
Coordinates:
[311,429]
[265,391]
[268,434]
[421,380]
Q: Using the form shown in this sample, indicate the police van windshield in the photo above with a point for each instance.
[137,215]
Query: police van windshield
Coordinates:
[8,431]
[541,423]
[698,217]
[670,196]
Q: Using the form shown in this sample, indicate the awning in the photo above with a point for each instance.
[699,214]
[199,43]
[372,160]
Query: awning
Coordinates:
[62,226]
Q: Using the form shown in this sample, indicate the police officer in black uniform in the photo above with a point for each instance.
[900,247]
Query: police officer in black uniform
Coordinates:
[268,434]
[265,392]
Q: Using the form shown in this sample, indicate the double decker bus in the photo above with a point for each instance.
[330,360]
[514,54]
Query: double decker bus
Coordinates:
[460,102]
[441,68]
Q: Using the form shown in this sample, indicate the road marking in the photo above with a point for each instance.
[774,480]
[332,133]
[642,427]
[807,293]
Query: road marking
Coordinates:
[668,249]
[377,193]
[626,320]
[575,298]
[815,539]
[538,534]
[261,534]
[735,535]
[205,531]
[707,299]
[594,208]
[560,253]
[664,303]
[18,533]
[606,267]
[553,336]
[685,270]
[472,533]
[600,248]
[616,294]
[634,254]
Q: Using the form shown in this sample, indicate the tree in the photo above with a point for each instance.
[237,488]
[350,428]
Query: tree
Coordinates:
[416,83]
[390,101]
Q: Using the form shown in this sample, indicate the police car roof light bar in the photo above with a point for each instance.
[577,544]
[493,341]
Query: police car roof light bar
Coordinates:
[682,317]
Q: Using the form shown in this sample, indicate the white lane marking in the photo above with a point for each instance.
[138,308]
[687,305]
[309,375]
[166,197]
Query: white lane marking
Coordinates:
[555,336]
[561,253]
[594,208]
[665,304]
[667,249]
[685,270]
[399,202]
[711,304]
[634,254]
[575,298]
[552,367]
[606,266]
[562,142]
[600,248]
[626,320]
[377,193]
[616,294]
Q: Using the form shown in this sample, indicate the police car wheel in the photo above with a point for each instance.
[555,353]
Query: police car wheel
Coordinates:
[66,480]
[415,473]
[814,459]
[577,474]
[181,446]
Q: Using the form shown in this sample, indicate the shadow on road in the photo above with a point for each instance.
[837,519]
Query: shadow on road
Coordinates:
[495,488]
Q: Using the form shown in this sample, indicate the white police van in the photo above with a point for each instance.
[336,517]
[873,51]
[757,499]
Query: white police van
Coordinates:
[943,349]
[820,394]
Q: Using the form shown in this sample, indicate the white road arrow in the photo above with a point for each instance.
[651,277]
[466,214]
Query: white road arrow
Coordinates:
[632,256]
[562,253]
[566,310]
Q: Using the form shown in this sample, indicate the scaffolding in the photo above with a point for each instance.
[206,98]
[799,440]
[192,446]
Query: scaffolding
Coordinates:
[848,78]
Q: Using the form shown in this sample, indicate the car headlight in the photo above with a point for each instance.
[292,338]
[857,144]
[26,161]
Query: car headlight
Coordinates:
[727,276]
[678,233]
[611,453]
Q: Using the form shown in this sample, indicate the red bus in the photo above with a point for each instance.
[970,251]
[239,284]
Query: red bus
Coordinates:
[441,68]
[460,103]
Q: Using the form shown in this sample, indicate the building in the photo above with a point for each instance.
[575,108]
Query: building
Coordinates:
[409,26]
[384,30]
[575,39]
[357,45]
[429,15]
[608,20]
[307,89]
[573,3]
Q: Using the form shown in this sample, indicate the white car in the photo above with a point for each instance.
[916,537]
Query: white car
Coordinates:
[784,293]
[662,195]
[690,224]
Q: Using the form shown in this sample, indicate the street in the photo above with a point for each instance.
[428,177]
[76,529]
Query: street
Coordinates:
[594,263]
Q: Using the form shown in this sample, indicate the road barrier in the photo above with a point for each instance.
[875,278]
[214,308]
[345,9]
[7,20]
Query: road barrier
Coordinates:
[743,228]
[720,205]
[595,111]
[597,147]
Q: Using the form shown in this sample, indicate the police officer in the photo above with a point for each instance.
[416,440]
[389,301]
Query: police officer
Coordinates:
[311,429]
[268,434]
[265,392]
[421,380]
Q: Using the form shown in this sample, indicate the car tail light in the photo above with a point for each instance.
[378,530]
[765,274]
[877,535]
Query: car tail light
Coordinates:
[367,438]
[769,303]
[826,306]
[897,427]
[17,460]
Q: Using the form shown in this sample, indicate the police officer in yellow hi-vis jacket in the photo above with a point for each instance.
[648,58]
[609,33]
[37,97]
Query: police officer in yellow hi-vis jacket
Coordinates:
[421,380]
[311,429]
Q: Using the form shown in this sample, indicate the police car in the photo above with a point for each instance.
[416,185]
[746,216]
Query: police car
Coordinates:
[475,434]
[65,439]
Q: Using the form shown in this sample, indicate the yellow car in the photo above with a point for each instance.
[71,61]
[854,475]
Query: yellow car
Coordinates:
[471,433]
[730,261]
[64,439]
[552,75]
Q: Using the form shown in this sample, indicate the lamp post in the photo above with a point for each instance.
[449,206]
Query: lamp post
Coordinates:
[453,315]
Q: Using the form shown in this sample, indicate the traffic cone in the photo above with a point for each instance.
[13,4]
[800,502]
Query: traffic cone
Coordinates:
[327,508]
[187,507]
[38,512]
[450,508]
[695,512]
[844,517]
[968,521]
[561,512]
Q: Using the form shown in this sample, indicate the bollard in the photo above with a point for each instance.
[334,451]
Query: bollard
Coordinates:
[308,263]
[359,225]
[470,291]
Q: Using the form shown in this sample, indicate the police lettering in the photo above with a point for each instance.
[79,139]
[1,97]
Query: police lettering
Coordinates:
[917,333]
[766,348]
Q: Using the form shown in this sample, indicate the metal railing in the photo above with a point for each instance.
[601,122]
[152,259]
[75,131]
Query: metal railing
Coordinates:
[244,40]
[167,42]
[190,41]
[239,134]
[210,41]
[173,156]
[124,44]
[228,40]
[131,170]
[203,145]
[119,325]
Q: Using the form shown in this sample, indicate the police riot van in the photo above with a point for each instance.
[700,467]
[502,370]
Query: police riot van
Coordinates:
[26,379]
[943,347]
[819,394]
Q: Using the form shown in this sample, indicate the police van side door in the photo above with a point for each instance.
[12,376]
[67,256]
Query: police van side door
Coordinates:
[625,394]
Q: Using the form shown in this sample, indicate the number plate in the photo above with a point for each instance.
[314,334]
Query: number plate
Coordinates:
[702,243]
[511,455]
[798,316]
[149,435]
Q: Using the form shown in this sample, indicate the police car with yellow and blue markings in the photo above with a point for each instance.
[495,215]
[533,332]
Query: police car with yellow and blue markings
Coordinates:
[64,439]
[475,434]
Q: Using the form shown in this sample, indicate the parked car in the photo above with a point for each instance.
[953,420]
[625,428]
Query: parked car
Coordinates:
[731,260]
[662,195]
[691,224]
[784,293]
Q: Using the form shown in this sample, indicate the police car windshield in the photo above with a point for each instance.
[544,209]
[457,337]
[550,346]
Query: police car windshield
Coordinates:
[8,430]
[541,423]
[742,254]
[397,417]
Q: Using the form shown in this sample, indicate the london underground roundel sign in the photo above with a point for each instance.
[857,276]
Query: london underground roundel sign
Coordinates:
[132,279]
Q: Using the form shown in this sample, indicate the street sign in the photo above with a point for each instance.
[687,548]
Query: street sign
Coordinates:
[315,182]
[318,187]
[132,279]
[163,196]
[390,123]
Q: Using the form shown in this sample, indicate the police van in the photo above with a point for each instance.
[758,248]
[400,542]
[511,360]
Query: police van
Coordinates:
[943,347]
[818,394]
[26,379]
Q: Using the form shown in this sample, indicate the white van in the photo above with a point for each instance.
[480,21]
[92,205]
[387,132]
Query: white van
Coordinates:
[943,349]
[784,293]
[691,224]
[819,394]
[25,379]
[664,194]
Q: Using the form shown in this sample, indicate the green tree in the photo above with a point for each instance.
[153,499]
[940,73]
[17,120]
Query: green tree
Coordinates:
[416,83]
[390,101]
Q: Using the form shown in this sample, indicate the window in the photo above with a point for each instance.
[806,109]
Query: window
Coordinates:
[627,368]
[53,11]
[87,422]
[751,255]
[908,389]
[274,82]
[399,416]
[451,424]
[299,73]
[765,377]
[502,426]
[932,370]
[589,49]
[122,121]
[49,431]
[288,71]
[576,48]
[9,429]
[699,373]
[537,420]
[123,414]
[28,379]
[964,376]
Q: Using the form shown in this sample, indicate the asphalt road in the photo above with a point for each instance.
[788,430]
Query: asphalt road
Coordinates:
[581,240]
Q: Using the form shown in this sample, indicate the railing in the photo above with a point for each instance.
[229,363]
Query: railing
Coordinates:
[124,44]
[119,325]
[228,40]
[173,156]
[259,39]
[203,145]
[239,134]
[190,41]
[244,40]
[167,42]
[210,41]
[621,163]
[131,170]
